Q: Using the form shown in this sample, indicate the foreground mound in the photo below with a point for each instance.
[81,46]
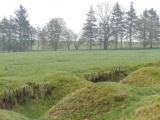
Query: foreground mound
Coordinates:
[148,110]
[90,102]
[146,76]
[64,84]
[8,115]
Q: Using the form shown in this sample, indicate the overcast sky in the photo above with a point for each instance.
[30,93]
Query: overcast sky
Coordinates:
[73,11]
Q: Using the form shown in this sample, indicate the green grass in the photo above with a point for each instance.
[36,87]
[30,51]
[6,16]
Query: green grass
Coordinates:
[66,68]
[8,115]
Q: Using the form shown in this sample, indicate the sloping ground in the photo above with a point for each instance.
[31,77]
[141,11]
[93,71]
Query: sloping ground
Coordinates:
[113,101]
[148,109]
[145,76]
[108,101]
[8,115]
[151,64]
[16,69]
[90,102]
[77,99]
[64,83]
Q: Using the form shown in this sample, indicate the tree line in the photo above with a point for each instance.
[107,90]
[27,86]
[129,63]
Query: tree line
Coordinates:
[118,26]
[16,33]
[104,27]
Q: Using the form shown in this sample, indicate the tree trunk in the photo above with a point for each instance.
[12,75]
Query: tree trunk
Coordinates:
[100,43]
[121,41]
[20,39]
[150,41]
[130,39]
[68,45]
[116,42]
[105,43]
[38,44]
[90,44]
[144,43]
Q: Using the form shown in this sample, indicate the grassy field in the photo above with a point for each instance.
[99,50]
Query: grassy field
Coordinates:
[19,68]
[66,70]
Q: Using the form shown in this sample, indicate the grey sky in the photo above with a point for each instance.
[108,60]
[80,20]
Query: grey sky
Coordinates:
[73,11]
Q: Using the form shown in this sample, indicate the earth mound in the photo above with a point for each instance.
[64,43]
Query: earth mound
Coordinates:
[145,76]
[149,110]
[89,102]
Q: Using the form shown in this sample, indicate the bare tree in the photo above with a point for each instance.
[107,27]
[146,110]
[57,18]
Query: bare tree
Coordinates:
[54,31]
[68,36]
[104,17]
[78,40]
[42,38]
[75,39]
[100,36]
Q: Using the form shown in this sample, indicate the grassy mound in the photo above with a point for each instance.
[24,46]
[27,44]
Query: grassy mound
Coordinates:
[64,84]
[8,115]
[90,102]
[149,110]
[145,76]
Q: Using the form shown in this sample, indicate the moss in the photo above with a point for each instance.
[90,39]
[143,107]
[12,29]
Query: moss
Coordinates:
[89,102]
[145,76]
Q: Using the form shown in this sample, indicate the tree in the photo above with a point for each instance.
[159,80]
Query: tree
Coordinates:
[149,27]
[75,41]
[154,26]
[100,35]
[143,28]
[16,32]
[33,36]
[90,27]
[4,33]
[131,24]
[105,22]
[42,38]
[54,31]
[68,36]
[7,30]
[118,23]
[122,31]
[22,28]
